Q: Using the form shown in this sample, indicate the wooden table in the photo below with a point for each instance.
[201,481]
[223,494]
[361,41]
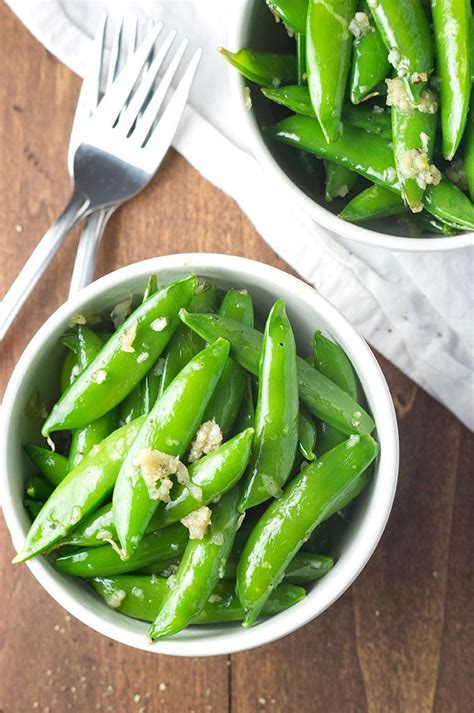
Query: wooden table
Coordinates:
[399,641]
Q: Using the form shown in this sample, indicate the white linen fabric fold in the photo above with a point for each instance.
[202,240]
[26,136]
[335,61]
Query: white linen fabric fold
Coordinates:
[416,309]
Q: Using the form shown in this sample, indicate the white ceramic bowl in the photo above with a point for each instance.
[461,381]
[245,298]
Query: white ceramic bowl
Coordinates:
[308,311]
[254,26]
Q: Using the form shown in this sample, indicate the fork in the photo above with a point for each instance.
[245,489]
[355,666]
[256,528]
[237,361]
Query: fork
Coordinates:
[93,230]
[123,144]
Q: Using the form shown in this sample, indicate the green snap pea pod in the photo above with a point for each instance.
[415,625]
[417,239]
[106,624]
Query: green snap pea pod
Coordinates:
[246,416]
[298,100]
[38,488]
[413,134]
[33,507]
[141,596]
[81,492]
[227,398]
[292,12]
[328,54]
[370,156]
[305,567]
[319,542]
[142,397]
[69,371]
[104,561]
[238,305]
[307,434]
[198,572]
[339,180]
[265,68]
[321,396]
[276,415]
[185,344]
[300,58]
[469,149]
[52,465]
[332,361]
[453,37]
[209,478]
[422,223]
[405,30]
[168,428]
[320,490]
[124,359]
[369,64]
[373,202]
[85,438]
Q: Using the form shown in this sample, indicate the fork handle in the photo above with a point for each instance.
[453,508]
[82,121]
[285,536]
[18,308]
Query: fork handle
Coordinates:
[87,249]
[40,259]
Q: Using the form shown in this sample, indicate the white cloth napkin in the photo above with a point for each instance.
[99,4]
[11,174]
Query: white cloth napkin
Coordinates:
[416,309]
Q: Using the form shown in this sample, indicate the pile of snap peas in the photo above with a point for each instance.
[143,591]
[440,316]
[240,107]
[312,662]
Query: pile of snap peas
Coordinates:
[380,93]
[202,466]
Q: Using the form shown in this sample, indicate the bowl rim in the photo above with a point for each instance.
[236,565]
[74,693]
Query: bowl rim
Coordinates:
[378,509]
[284,184]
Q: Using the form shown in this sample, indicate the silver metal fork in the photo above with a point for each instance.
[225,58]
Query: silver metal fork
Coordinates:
[123,143]
[93,230]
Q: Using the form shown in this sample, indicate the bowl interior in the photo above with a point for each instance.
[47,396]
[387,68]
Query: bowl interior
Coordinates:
[39,368]
[259,30]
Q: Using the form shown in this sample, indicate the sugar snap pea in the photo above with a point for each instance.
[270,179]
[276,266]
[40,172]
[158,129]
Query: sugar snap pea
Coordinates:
[124,359]
[53,466]
[184,344]
[265,68]
[276,416]
[292,12]
[369,57]
[373,202]
[452,24]
[305,567]
[141,597]
[33,507]
[198,572]
[328,52]
[332,361]
[405,30]
[320,490]
[246,416]
[300,58]
[80,492]
[340,180]
[370,156]
[469,150]
[104,561]
[307,434]
[69,371]
[227,398]
[88,345]
[168,429]
[321,396]
[209,478]
[413,144]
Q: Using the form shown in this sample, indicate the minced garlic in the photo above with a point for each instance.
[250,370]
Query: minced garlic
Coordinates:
[415,164]
[115,599]
[401,64]
[155,467]
[142,357]
[208,438]
[127,337]
[76,319]
[214,598]
[197,522]
[159,324]
[359,26]
[397,96]
[247,98]
[99,376]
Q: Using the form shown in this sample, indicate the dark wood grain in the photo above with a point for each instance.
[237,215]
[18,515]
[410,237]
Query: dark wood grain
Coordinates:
[400,640]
